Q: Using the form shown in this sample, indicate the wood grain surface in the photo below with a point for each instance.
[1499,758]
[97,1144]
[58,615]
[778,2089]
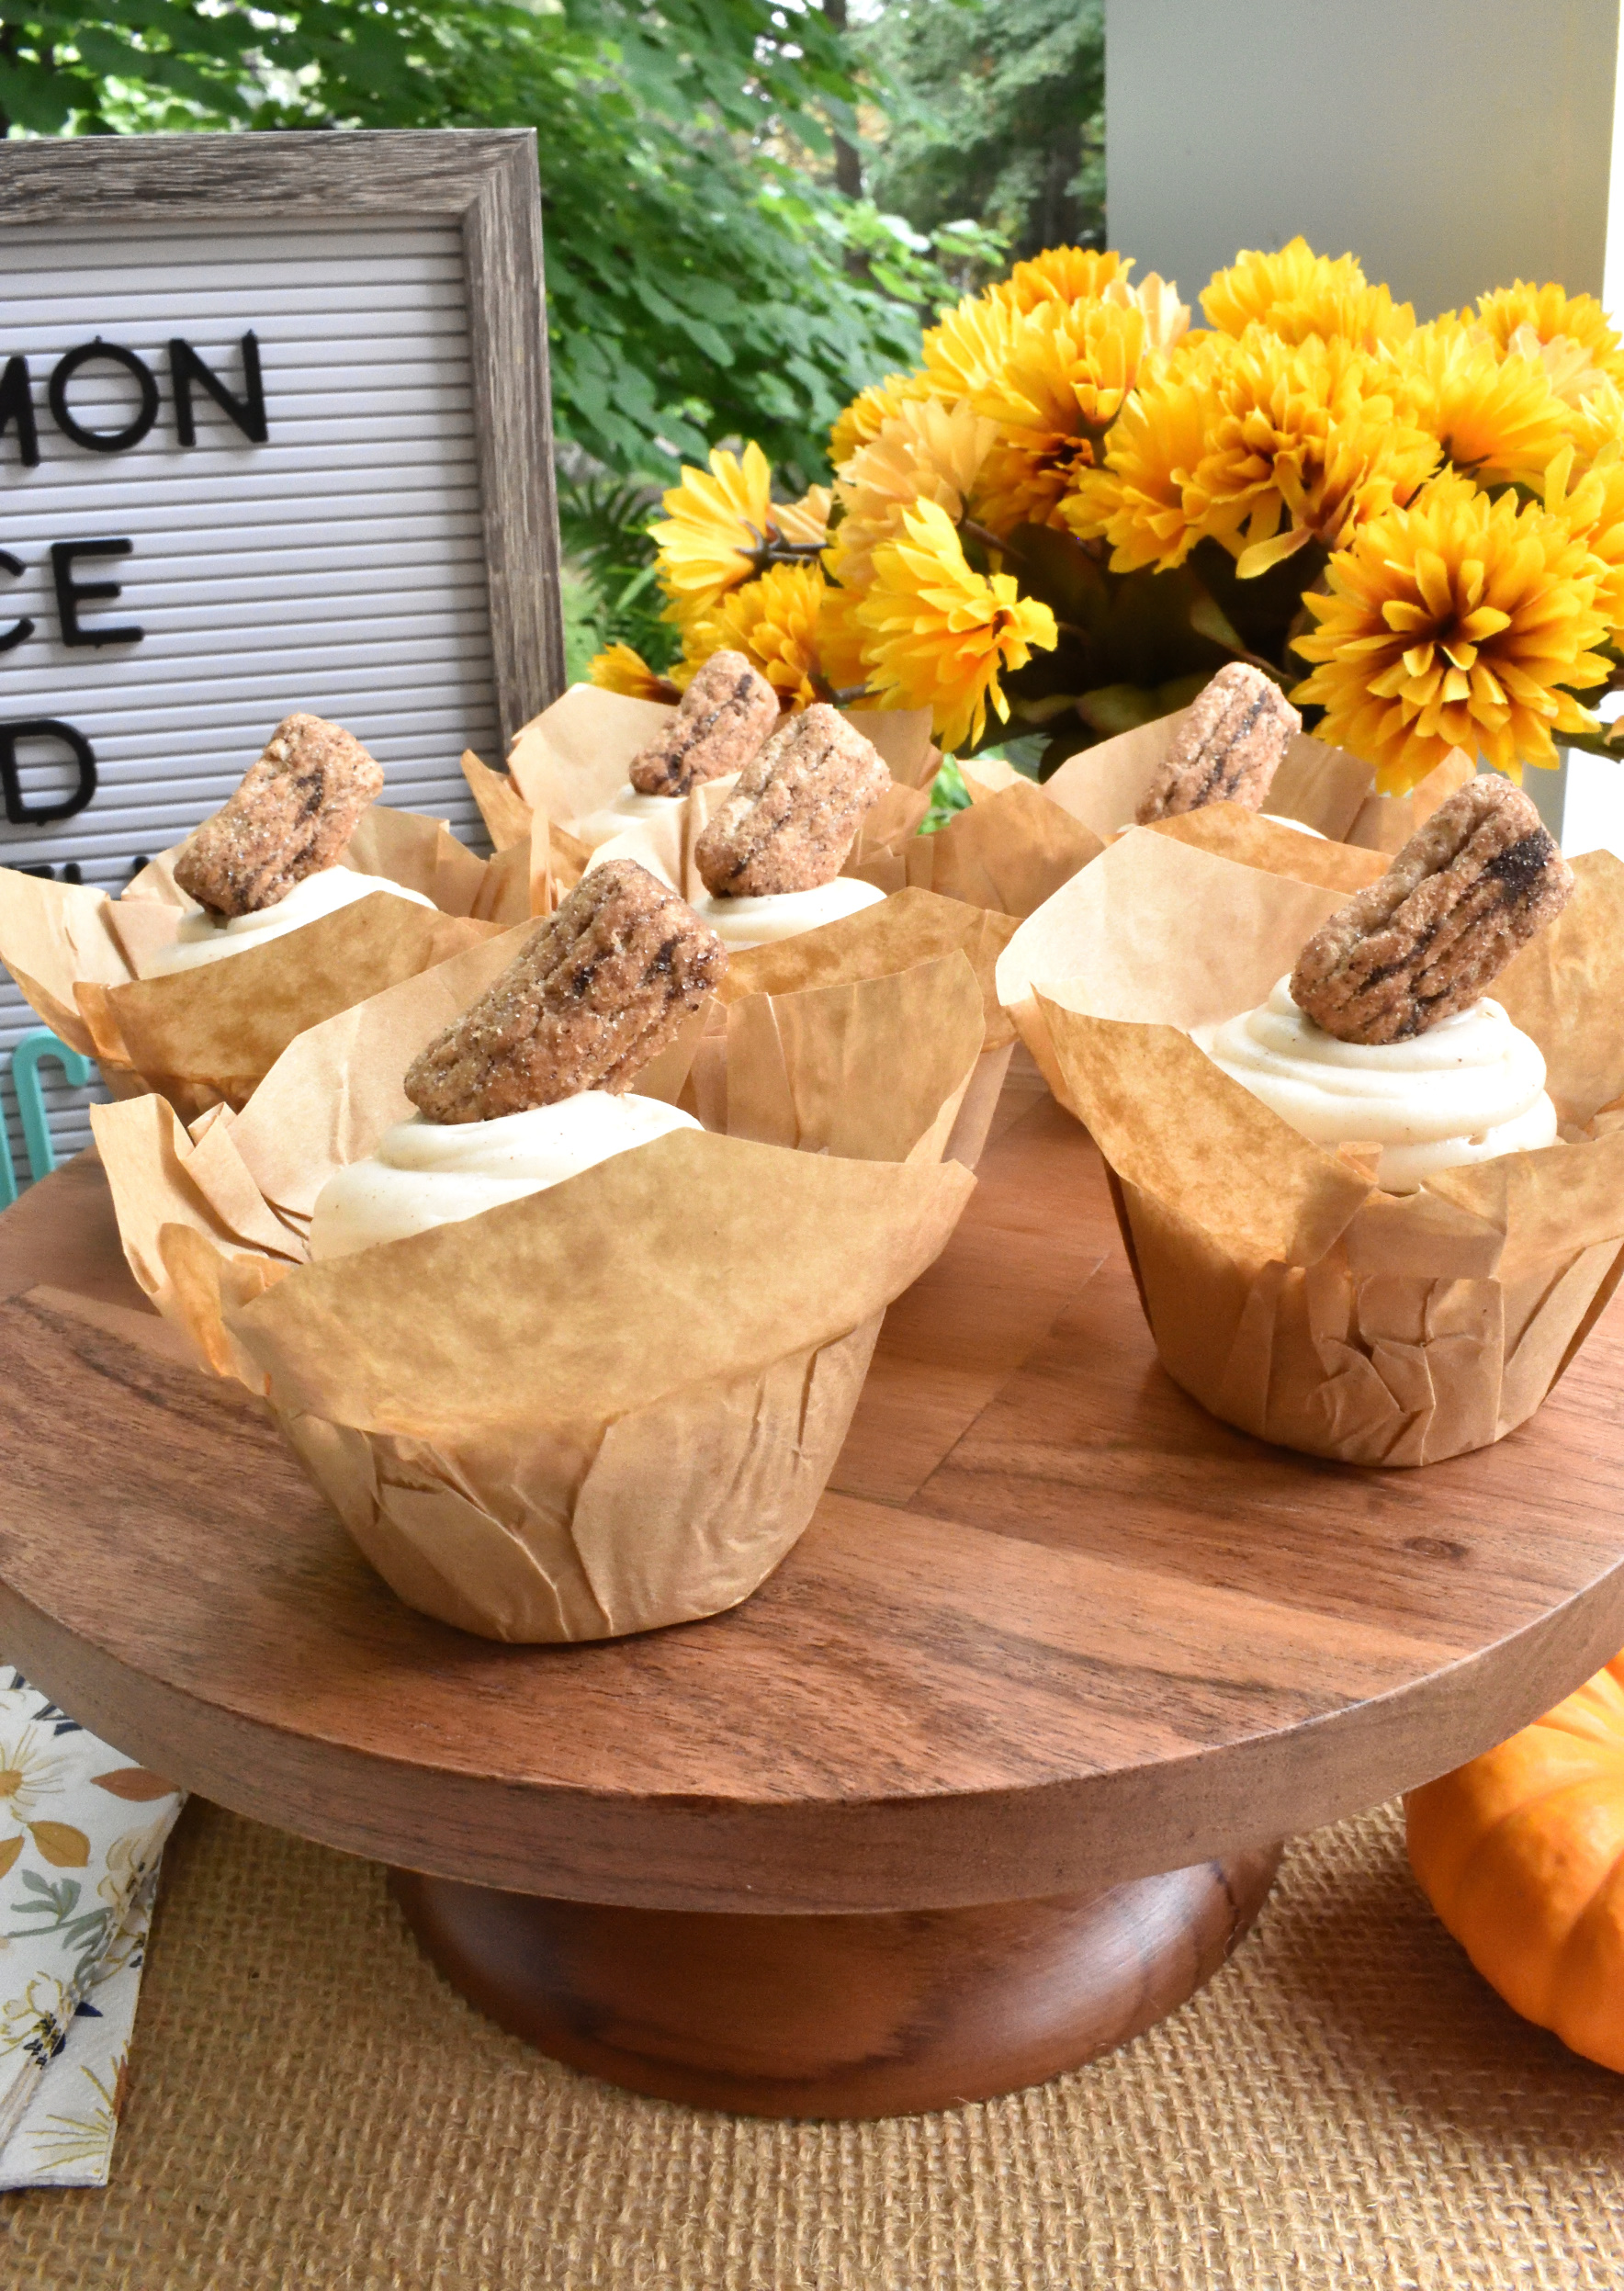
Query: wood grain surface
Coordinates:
[1052,1628]
[837,2016]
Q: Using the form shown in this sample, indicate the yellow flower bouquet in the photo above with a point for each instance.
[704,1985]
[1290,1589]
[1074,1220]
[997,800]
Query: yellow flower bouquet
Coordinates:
[1080,506]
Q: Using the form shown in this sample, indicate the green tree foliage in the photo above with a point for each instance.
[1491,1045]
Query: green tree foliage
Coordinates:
[993,109]
[697,279]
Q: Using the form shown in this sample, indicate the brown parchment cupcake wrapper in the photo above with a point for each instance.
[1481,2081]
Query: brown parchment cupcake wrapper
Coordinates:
[1284,1290]
[1324,787]
[574,757]
[618,1408]
[209,1035]
[912,927]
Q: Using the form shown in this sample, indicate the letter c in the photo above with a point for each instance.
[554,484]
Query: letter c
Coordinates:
[19,629]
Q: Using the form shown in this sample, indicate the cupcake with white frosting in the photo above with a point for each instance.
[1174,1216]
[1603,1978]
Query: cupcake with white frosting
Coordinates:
[530,1086]
[206,937]
[566,1364]
[1368,1156]
[770,859]
[726,712]
[1470,1089]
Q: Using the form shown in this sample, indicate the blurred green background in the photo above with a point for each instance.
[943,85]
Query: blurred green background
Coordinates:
[751,208]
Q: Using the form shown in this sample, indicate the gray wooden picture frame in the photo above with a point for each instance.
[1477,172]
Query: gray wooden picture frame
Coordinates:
[486,181]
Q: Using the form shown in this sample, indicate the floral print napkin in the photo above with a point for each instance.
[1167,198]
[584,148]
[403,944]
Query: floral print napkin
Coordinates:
[81,1833]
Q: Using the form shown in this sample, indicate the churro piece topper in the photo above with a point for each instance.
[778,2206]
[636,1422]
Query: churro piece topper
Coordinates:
[598,989]
[726,714]
[790,822]
[293,813]
[1473,884]
[1228,749]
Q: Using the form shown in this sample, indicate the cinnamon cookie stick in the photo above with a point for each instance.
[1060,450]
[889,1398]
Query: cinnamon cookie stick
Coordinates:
[1228,749]
[791,820]
[1473,884]
[723,716]
[293,813]
[597,991]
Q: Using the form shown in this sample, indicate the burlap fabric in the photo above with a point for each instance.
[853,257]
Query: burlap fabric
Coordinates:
[1346,2106]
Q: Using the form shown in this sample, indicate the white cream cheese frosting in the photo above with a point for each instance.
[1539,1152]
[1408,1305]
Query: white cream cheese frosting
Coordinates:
[1470,1088]
[747,922]
[202,940]
[625,807]
[424,1174]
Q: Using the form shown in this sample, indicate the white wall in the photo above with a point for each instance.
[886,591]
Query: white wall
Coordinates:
[1452,144]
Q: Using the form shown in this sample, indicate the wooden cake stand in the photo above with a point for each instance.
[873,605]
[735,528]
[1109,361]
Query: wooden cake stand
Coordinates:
[985,1779]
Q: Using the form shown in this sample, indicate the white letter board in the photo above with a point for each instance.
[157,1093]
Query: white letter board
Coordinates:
[320,540]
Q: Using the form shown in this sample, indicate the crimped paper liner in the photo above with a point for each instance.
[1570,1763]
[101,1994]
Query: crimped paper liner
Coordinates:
[1324,787]
[574,759]
[912,928]
[1285,1291]
[1370,1366]
[634,1500]
[207,1036]
[685,1508]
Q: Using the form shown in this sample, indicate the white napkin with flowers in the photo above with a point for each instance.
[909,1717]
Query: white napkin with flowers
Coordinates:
[82,1831]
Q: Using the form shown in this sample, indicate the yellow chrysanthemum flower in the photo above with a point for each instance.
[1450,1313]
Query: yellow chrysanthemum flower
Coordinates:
[805,522]
[1064,274]
[870,411]
[1300,436]
[1496,419]
[927,451]
[773,622]
[1596,424]
[1166,319]
[841,640]
[1064,376]
[1136,500]
[1457,622]
[713,528]
[1552,313]
[622,669]
[1570,366]
[1594,513]
[939,634]
[969,348]
[1297,293]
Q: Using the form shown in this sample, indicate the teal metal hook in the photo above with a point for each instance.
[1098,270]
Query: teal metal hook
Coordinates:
[26,1061]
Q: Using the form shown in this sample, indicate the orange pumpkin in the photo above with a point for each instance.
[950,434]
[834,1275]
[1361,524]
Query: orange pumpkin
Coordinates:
[1521,1853]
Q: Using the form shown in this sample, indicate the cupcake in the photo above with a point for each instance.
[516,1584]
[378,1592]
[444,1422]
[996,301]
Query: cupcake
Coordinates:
[1371,1206]
[566,1364]
[1240,744]
[317,895]
[529,1087]
[770,860]
[723,719]
[572,768]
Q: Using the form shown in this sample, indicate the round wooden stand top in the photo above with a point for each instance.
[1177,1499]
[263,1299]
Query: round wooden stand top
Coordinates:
[1052,1628]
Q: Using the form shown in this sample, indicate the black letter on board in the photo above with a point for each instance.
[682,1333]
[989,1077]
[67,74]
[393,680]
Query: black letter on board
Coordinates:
[23,815]
[248,413]
[109,353]
[19,629]
[16,405]
[70,593]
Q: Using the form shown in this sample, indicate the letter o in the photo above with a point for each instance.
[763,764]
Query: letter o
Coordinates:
[103,441]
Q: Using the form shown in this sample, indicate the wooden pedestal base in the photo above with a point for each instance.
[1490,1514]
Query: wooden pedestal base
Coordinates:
[837,2016]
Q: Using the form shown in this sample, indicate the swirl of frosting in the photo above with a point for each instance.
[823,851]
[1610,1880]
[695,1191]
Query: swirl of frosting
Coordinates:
[752,922]
[1468,1088]
[430,1173]
[626,805]
[201,939]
